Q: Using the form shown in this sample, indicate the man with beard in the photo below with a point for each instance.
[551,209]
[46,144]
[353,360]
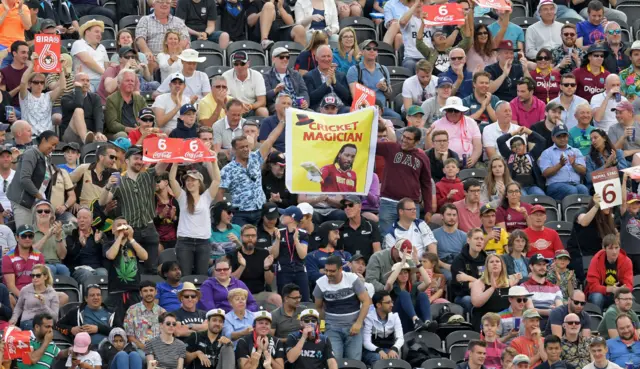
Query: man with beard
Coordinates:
[260,350]
[532,342]
[91,317]
[569,101]
[340,177]
[273,183]
[562,165]
[308,348]
[189,318]
[169,291]
[625,348]
[526,108]
[358,234]
[253,266]
[616,57]
[141,322]
[329,233]
[575,348]
[568,56]
[545,295]
[629,77]
[623,305]
[209,349]
[574,306]
[604,104]
[450,239]
[267,226]
[90,179]
[481,102]
[43,350]
[135,193]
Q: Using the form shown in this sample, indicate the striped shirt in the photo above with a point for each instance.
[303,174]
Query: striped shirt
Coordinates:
[136,198]
[46,360]
[341,303]
[544,295]
[167,354]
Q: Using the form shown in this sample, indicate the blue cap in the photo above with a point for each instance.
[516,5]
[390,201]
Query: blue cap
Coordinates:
[187,107]
[560,130]
[122,143]
[444,81]
[294,212]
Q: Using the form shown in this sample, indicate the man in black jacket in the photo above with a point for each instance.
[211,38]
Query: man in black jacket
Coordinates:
[467,267]
[325,79]
[82,114]
[273,182]
[84,249]
[92,317]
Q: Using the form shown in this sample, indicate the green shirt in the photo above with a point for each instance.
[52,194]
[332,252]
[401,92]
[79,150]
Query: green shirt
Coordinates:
[609,320]
[46,361]
[580,139]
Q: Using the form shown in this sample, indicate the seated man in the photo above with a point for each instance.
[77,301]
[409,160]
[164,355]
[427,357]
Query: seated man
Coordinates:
[247,85]
[128,60]
[151,29]
[624,349]
[213,107]
[92,317]
[575,306]
[18,263]
[532,341]
[382,333]
[166,107]
[563,166]
[325,79]
[270,348]
[623,300]
[307,340]
[82,114]
[141,322]
[202,24]
[84,248]
[228,128]
[146,127]
[545,295]
[123,106]
[315,261]
[217,347]
[283,102]
[196,82]
[286,318]
[190,319]
[610,269]
[283,79]
[553,349]
[167,292]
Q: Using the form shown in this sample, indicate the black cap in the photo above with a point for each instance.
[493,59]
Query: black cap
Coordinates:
[327,227]
[276,158]
[25,228]
[133,150]
[270,211]
[354,199]
[536,258]
[126,49]
[146,112]
[6,148]
[224,205]
[71,145]
[357,256]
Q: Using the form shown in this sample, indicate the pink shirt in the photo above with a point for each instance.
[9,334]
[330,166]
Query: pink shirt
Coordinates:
[461,134]
[467,219]
[525,117]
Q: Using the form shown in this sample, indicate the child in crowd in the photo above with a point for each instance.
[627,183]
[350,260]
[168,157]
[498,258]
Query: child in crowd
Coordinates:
[489,333]
[560,275]
[117,351]
[436,290]
[450,188]
[71,157]
[81,353]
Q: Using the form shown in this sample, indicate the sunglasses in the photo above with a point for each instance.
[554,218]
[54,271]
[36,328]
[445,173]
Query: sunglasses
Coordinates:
[482,33]
[349,205]
[572,323]
[220,87]
[569,34]
[27,235]
[148,120]
[308,321]
[369,48]
[170,324]
[190,296]
[521,300]
[239,64]
[43,211]
[569,84]
[452,111]
[543,58]
[579,303]
[129,57]
[598,55]
[456,58]
[177,82]
[38,82]
[222,270]
[36,275]
[614,31]
[283,57]
[113,157]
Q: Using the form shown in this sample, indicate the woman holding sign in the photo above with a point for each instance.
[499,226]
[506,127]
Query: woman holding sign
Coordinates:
[194,225]
[603,155]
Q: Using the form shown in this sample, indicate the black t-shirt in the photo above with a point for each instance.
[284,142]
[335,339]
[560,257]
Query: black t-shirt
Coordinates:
[585,239]
[314,355]
[233,17]
[288,260]
[123,270]
[265,239]
[200,342]
[196,15]
[541,129]
[187,317]
[611,273]
[246,347]
[508,89]
[359,240]
[315,242]
[253,274]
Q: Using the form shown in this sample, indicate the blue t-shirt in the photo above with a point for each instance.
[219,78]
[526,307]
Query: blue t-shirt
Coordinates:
[449,244]
[514,32]
[590,34]
[370,79]
[521,267]
[96,317]
[168,296]
[268,125]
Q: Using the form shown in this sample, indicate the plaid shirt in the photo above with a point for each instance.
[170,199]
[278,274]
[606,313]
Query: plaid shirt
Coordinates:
[143,323]
[576,353]
[559,53]
[152,31]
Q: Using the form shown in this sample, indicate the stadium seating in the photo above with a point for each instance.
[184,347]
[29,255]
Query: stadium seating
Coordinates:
[391,363]
[550,205]
[440,363]
[253,49]
[364,27]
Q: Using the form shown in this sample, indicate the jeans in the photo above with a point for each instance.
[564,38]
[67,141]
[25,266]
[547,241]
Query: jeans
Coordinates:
[403,305]
[59,269]
[561,190]
[82,274]
[410,63]
[388,214]
[300,279]
[246,217]
[193,255]
[124,360]
[345,346]
[7,60]
[370,357]
[26,325]
[149,239]
[601,300]
[390,113]
[446,273]
[465,302]
[533,190]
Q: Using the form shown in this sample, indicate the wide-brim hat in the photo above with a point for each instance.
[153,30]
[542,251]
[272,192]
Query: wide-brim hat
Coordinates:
[191,55]
[89,24]
[518,291]
[188,286]
[454,103]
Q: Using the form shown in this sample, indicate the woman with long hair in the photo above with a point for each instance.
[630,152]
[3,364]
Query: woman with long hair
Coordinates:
[347,54]
[124,38]
[35,298]
[547,79]
[603,155]
[515,257]
[166,213]
[482,53]
[168,60]
[306,61]
[493,188]
[591,225]
[512,214]
[436,290]
[50,238]
[166,351]
[194,225]
[487,291]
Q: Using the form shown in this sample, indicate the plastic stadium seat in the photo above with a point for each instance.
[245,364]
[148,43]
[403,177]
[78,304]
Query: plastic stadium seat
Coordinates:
[294,50]
[67,285]
[573,21]
[478,174]
[626,34]
[519,9]
[256,119]
[438,310]
[261,68]
[563,229]
[391,363]
[592,309]
[483,20]
[88,153]
[595,322]
[215,71]
[364,27]
[68,44]
[398,101]
[253,50]
[399,74]
[430,339]
[636,280]
[103,282]
[457,352]
[547,201]
[151,277]
[109,28]
[210,50]
[523,22]
[350,364]
[630,7]
[572,204]
[129,22]
[110,45]
[397,123]
[387,55]
[460,337]
[636,29]
[440,363]
[167,255]
[196,279]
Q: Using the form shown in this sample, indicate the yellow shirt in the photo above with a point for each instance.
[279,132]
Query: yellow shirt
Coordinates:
[498,247]
[208,105]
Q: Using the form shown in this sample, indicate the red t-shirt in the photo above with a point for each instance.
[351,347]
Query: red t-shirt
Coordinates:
[547,87]
[336,180]
[11,79]
[512,218]
[544,242]
[12,263]
[589,84]
[135,135]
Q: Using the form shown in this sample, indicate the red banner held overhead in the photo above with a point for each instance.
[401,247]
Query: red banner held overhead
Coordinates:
[17,345]
[48,49]
[442,15]
[495,4]
[363,98]
[175,150]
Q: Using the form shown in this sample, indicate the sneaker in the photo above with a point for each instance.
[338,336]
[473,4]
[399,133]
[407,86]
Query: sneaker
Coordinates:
[89,138]
[431,326]
[266,43]
[418,324]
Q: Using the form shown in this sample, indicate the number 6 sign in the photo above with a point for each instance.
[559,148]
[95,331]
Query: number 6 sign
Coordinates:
[606,182]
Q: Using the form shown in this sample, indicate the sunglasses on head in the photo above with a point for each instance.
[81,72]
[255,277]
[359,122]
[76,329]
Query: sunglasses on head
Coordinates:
[614,31]
[24,236]
[36,275]
[543,58]
[43,211]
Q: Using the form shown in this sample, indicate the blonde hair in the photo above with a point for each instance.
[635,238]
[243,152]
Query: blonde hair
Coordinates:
[356,49]
[317,38]
[237,292]
[45,273]
[503,280]
[490,181]
[165,48]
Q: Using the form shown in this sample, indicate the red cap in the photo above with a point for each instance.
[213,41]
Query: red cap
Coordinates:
[535,208]
[632,197]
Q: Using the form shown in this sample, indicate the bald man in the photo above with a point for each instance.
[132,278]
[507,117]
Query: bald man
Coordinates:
[22,135]
[82,114]
[336,81]
[603,103]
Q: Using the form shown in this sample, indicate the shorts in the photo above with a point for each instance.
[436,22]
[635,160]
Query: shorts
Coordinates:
[70,136]
[215,37]
[56,110]
[278,32]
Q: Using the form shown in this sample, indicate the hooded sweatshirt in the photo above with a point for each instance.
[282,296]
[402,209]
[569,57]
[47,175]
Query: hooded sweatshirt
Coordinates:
[378,334]
[182,131]
[466,264]
[75,318]
[598,273]
[444,186]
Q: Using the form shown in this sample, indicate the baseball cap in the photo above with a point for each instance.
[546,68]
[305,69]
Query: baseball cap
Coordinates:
[124,50]
[122,143]
[536,208]
[81,343]
[47,23]
[487,208]
[195,175]
[506,45]
[176,75]
[531,313]
[413,110]
[521,359]
[553,106]
[25,228]
[213,312]
[294,212]
[6,148]
[327,227]
[624,105]
[537,258]
[278,51]
[305,208]
[224,205]
[356,256]
[366,43]
[276,158]
[559,130]
[239,56]
[354,199]
[133,150]
[330,99]
[71,145]
[4,127]
[270,210]
[632,197]
[186,108]
[562,253]
[146,112]
[442,81]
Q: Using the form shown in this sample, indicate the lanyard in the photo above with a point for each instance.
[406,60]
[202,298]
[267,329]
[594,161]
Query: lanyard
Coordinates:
[289,246]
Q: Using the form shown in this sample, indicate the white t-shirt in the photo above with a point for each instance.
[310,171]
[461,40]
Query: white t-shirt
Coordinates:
[411,88]
[164,102]
[7,239]
[165,68]
[248,90]
[198,84]
[6,204]
[92,358]
[409,35]
[492,132]
[37,111]
[198,224]
[99,55]
[609,118]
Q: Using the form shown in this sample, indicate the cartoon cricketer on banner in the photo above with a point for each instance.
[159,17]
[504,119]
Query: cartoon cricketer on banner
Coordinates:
[330,154]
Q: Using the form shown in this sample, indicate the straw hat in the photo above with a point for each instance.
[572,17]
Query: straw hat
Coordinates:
[89,24]
[188,286]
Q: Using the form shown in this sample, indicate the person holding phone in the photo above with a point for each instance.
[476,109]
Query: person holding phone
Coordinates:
[81,355]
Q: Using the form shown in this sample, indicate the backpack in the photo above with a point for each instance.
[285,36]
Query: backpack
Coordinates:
[419,352]
[385,74]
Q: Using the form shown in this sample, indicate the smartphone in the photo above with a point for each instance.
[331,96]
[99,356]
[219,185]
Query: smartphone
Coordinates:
[119,176]
[123,227]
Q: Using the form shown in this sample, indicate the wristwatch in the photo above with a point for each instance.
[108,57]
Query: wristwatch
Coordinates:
[190,326]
